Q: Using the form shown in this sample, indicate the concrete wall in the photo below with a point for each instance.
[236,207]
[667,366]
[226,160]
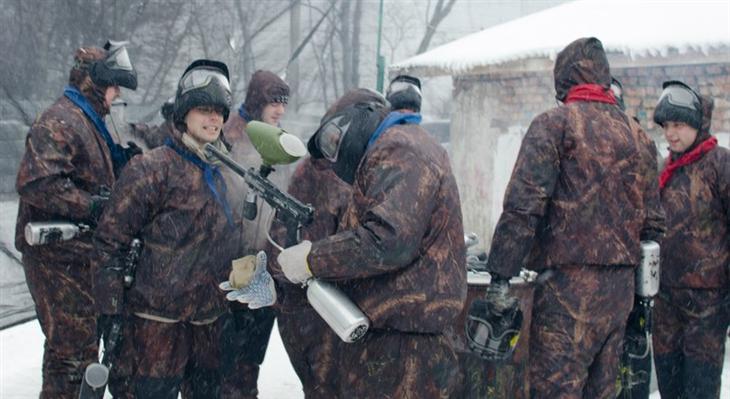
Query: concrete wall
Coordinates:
[492,112]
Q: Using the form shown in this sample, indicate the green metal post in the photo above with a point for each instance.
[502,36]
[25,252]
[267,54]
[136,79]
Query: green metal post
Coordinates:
[380,60]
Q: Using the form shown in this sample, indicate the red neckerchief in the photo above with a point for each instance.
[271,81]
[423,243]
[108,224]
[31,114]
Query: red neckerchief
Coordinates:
[590,92]
[685,159]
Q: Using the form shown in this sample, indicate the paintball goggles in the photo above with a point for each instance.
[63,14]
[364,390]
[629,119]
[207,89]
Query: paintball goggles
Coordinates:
[42,233]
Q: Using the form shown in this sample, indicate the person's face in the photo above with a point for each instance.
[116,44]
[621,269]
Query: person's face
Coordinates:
[204,124]
[272,113]
[679,135]
[110,94]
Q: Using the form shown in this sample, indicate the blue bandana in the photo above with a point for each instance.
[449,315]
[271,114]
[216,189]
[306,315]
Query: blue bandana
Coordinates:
[244,114]
[119,158]
[210,175]
[394,118]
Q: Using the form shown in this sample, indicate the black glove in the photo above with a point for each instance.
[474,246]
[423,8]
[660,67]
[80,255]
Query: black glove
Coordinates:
[498,296]
[131,150]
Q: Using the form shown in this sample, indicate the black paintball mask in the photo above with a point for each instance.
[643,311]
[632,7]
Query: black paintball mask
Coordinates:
[493,323]
[404,92]
[678,103]
[342,139]
[618,92]
[116,69]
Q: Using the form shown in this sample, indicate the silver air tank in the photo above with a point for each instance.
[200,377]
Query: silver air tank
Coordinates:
[340,313]
[647,274]
[40,233]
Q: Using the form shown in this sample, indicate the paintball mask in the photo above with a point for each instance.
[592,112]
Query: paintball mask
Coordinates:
[618,93]
[204,83]
[678,103]
[404,92]
[116,69]
[493,323]
[342,139]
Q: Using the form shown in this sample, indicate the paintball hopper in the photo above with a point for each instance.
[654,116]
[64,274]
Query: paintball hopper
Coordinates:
[274,144]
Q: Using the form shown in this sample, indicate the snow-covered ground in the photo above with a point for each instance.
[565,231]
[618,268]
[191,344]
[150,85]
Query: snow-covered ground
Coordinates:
[15,301]
[21,346]
[21,352]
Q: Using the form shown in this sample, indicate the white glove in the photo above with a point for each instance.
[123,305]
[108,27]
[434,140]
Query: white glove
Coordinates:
[293,261]
[260,292]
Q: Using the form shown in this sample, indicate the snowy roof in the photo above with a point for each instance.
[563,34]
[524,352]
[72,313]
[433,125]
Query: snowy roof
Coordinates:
[634,28]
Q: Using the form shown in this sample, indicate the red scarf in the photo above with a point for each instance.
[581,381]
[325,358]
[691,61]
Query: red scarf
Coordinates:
[690,157]
[590,92]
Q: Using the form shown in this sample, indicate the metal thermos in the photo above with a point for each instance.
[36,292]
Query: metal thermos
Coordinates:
[340,313]
[40,233]
[647,274]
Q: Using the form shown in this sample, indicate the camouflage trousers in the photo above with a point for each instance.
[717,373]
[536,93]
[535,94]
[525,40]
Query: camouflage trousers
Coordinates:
[244,340]
[175,357]
[690,327]
[65,309]
[578,323]
[311,345]
[392,364]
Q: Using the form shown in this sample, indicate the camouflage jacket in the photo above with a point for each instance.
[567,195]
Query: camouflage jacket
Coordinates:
[399,251]
[584,187]
[65,162]
[163,199]
[696,250]
[313,183]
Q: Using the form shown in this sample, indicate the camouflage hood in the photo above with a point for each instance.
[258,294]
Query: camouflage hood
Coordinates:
[708,105]
[582,61]
[79,77]
[264,88]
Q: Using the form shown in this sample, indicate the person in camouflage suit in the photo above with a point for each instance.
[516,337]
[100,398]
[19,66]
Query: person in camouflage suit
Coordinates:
[308,340]
[247,331]
[691,311]
[63,175]
[173,199]
[582,194]
[398,253]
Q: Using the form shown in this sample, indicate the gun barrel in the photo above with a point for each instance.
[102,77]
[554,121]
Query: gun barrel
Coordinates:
[278,199]
[227,160]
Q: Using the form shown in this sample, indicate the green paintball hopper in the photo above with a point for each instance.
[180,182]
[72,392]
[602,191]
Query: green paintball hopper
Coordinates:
[274,144]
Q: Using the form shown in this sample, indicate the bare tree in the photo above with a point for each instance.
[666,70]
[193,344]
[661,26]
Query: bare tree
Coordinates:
[440,11]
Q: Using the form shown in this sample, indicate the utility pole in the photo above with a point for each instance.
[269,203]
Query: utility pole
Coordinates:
[292,73]
[380,60]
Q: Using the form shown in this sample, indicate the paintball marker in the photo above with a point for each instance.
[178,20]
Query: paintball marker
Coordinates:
[289,210]
[340,313]
[96,375]
[635,362]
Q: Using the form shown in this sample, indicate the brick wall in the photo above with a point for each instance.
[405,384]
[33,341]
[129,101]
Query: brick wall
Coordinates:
[524,95]
[492,111]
